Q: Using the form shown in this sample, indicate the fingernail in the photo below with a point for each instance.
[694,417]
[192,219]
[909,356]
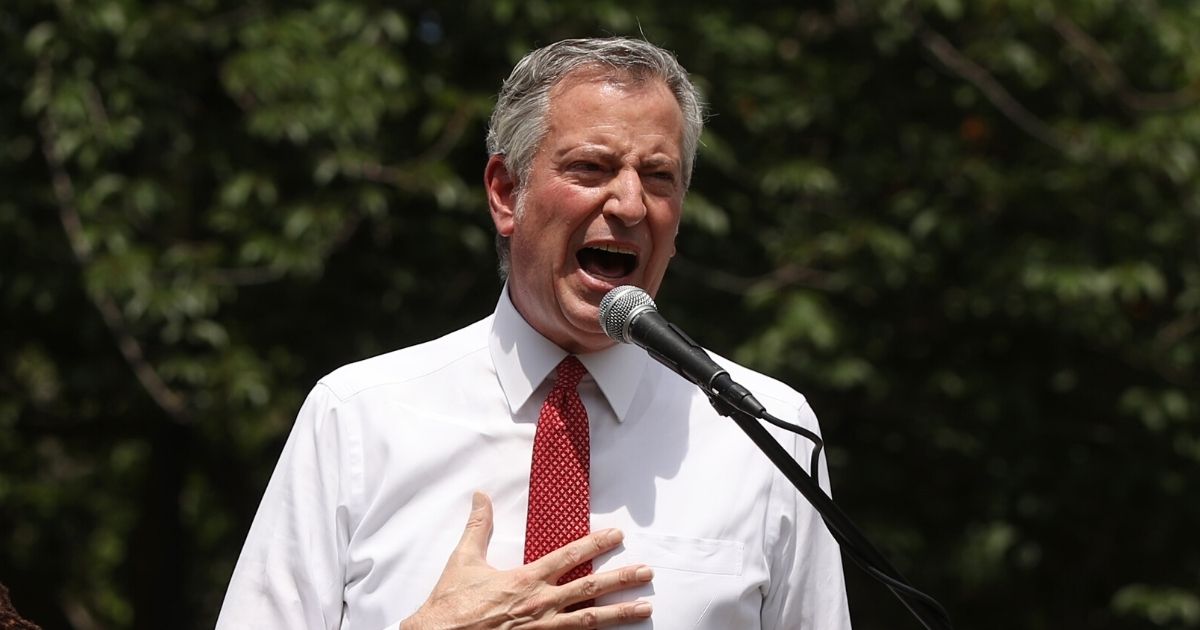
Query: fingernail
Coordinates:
[642,609]
[644,574]
[614,536]
[477,500]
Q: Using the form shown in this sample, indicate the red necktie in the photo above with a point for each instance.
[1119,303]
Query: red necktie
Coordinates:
[559,490]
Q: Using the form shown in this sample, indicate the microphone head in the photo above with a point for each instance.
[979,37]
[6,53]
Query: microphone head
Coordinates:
[618,309]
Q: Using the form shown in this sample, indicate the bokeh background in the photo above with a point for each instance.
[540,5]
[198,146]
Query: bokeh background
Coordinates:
[967,230]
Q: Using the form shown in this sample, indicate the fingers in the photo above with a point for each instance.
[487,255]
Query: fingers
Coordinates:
[592,586]
[478,532]
[556,563]
[604,616]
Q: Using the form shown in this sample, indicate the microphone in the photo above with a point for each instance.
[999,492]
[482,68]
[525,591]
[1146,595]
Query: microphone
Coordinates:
[629,315]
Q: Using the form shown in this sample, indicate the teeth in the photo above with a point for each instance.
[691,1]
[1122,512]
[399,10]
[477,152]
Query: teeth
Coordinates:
[614,249]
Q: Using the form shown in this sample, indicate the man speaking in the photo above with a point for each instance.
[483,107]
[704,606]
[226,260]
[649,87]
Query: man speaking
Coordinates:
[597,487]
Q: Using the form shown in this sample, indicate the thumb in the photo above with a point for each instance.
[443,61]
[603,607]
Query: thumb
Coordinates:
[474,542]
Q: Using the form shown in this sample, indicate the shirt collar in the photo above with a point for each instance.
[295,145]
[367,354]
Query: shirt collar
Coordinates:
[524,358]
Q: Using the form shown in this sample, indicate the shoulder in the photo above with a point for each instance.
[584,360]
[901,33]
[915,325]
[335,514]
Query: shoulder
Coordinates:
[761,385]
[408,364]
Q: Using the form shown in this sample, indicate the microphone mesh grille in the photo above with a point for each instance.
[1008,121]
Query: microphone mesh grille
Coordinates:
[618,307]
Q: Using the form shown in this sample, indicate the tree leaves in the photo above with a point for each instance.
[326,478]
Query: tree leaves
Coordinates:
[968,232]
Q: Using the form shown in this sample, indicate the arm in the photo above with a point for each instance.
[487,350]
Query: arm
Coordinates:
[289,574]
[291,570]
[807,589]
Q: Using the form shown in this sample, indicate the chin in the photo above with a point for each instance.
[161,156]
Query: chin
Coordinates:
[586,317]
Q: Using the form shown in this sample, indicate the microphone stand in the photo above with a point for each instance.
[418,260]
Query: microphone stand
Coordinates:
[852,541]
[628,315]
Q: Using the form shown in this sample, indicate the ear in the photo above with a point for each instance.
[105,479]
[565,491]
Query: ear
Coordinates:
[501,193]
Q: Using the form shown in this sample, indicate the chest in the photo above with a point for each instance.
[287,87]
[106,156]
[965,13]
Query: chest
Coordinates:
[688,506]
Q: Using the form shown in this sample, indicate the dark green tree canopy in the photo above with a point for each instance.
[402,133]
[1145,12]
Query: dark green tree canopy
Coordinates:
[969,232]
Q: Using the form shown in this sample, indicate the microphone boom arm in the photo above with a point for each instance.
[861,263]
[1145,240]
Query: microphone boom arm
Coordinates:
[853,542]
[629,315]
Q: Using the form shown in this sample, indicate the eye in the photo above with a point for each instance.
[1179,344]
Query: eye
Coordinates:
[660,182]
[586,166]
[588,172]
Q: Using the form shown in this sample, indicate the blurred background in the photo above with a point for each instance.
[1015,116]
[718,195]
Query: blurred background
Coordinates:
[968,231]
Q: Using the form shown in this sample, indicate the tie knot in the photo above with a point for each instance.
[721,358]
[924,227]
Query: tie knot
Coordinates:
[570,372]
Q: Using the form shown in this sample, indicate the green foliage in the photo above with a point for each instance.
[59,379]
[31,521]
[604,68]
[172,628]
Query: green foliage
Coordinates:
[968,231]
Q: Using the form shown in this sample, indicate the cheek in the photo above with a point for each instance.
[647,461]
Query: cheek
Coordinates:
[568,212]
[665,229]
[664,248]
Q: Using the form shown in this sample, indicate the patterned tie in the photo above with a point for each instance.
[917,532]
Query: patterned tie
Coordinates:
[559,490]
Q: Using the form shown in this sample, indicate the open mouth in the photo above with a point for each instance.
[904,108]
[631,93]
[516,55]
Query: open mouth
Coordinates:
[607,261]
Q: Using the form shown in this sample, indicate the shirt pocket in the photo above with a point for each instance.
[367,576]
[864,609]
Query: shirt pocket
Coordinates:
[693,579]
[679,553]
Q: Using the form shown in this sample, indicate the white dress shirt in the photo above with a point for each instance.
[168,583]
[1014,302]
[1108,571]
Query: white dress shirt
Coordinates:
[373,489]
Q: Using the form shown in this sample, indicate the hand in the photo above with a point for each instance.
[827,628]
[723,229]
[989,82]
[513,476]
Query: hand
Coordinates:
[470,595]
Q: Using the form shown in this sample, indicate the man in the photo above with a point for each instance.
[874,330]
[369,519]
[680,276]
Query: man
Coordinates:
[684,523]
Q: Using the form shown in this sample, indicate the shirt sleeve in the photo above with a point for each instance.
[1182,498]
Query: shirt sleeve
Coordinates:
[290,573]
[807,589]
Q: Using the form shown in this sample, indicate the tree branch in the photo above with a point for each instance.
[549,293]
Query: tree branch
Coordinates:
[453,132]
[395,176]
[962,66]
[244,276]
[779,278]
[1176,331]
[1111,77]
[403,177]
[1165,340]
[131,350]
[78,614]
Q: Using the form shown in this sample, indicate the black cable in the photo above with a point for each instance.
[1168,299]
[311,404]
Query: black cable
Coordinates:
[818,443]
[894,581]
[852,541]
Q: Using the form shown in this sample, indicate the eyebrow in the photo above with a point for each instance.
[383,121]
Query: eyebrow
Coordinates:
[657,162]
[600,151]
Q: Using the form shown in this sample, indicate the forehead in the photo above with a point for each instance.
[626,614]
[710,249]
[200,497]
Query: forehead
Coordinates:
[600,99]
[628,81]
[629,78]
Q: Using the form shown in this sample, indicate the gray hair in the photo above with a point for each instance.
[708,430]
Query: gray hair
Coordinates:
[519,124]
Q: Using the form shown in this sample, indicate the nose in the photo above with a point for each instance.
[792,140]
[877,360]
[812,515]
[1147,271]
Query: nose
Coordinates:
[626,200]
